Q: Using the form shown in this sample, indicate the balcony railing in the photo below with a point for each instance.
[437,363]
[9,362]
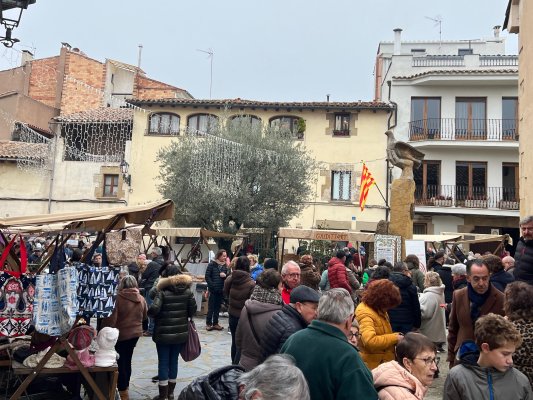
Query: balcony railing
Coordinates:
[505,198]
[463,129]
[438,61]
[498,61]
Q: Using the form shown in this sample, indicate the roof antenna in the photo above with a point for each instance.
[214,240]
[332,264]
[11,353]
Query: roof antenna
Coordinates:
[438,21]
[210,54]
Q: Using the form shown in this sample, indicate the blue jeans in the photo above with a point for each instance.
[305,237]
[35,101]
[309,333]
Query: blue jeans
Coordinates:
[167,356]
[149,302]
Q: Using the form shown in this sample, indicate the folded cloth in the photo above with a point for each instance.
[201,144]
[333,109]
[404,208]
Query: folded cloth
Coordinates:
[56,361]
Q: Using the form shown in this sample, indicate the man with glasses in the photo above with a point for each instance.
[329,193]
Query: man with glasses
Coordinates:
[331,365]
[523,255]
[290,275]
[290,319]
[479,298]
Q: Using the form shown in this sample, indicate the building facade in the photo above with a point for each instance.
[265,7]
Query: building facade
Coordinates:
[519,19]
[338,135]
[457,102]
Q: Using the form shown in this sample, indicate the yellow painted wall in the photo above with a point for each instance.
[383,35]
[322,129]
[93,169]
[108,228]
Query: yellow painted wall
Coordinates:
[367,142]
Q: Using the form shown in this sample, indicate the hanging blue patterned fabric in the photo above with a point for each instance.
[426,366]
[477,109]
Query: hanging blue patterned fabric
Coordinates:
[59,258]
[56,302]
[96,290]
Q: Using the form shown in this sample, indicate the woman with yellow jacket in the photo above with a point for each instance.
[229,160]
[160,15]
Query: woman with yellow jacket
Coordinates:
[376,340]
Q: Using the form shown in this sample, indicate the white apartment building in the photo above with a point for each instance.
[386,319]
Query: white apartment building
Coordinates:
[457,102]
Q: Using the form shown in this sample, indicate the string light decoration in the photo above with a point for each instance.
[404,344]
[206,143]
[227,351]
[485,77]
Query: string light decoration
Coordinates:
[97,135]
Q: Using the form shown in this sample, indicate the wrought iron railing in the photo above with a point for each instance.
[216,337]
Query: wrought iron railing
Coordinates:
[505,198]
[463,129]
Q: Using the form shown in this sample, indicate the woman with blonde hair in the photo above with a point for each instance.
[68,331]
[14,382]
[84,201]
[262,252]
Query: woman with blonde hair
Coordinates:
[377,340]
[433,318]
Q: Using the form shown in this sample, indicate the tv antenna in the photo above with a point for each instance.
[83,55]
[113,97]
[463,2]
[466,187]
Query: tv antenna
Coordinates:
[210,54]
[438,21]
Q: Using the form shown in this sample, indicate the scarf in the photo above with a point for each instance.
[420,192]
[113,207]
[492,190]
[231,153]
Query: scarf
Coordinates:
[270,296]
[476,302]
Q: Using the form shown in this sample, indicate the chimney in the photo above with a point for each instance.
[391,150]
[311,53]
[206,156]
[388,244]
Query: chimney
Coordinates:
[25,57]
[497,31]
[397,41]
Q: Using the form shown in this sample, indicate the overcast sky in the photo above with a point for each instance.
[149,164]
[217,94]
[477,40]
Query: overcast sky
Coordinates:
[278,50]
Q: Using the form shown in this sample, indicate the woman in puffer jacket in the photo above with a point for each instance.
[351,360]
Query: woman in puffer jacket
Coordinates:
[409,377]
[171,309]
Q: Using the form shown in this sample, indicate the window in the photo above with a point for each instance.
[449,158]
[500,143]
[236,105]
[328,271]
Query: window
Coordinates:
[244,121]
[418,52]
[470,118]
[289,125]
[425,118]
[164,124]
[427,181]
[465,52]
[420,229]
[471,180]
[509,118]
[202,123]
[342,125]
[110,185]
[510,181]
[341,185]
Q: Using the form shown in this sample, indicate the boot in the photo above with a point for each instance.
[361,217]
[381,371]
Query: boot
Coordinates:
[163,393]
[171,386]
[124,395]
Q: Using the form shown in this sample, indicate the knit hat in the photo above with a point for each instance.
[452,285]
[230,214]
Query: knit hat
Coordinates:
[107,338]
[81,337]
[302,293]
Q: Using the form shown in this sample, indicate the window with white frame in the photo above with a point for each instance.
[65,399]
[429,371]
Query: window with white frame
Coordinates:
[341,185]
[164,124]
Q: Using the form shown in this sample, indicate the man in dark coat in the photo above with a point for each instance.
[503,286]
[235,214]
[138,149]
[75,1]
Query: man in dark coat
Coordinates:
[406,316]
[498,276]
[291,318]
[477,299]
[331,365]
[149,276]
[523,255]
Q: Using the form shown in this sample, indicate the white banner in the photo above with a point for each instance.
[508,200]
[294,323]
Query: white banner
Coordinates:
[418,248]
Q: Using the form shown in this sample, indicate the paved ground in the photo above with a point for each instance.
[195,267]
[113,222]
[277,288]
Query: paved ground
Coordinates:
[215,353]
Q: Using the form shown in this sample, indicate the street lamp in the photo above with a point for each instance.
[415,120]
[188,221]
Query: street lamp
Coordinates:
[124,167]
[13,20]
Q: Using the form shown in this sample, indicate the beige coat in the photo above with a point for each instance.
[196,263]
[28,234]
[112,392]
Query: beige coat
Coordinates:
[433,317]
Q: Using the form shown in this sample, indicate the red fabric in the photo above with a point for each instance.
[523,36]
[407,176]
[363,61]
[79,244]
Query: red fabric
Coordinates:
[337,275]
[286,295]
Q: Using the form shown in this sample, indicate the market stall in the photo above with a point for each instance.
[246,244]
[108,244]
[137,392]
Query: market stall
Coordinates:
[52,302]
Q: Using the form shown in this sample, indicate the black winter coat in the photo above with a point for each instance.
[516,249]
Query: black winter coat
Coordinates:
[221,384]
[407,315]
[283,324]
[149,276]
[172,307]
[523,256]
[215,283]
[445,273]
[501,279]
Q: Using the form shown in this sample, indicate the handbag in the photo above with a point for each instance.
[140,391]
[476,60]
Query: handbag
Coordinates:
[123,246]
[192,348]
[17,290]
[56,302]
[59,258]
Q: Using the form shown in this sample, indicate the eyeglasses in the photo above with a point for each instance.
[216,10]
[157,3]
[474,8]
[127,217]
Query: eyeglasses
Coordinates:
[293,276]
[351,335]
[430,360]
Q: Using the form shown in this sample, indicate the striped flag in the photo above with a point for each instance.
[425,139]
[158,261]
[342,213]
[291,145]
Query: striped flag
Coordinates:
[366,183]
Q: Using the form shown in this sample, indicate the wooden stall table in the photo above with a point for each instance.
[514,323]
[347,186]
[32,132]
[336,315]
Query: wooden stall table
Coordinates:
[87,373]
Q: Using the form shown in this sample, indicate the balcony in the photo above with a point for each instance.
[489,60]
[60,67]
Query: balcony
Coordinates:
[463,129]
[503,198]
[438,61]
[498,61]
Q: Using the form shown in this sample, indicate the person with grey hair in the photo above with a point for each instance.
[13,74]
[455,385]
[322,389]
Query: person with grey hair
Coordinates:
[290,276]
[508,264]
[148,278]
[276,379]
[128,315]
[338,373]
[459,276]
[524,252]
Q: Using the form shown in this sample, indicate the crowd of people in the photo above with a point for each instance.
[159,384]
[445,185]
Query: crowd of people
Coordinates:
[353,328]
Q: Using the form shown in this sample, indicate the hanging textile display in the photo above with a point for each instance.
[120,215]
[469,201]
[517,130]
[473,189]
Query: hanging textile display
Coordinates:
[56,302]
[96,290]
[17,290]
[123,247]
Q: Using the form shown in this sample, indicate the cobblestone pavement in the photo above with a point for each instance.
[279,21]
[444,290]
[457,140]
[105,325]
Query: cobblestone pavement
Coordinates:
[215,353]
